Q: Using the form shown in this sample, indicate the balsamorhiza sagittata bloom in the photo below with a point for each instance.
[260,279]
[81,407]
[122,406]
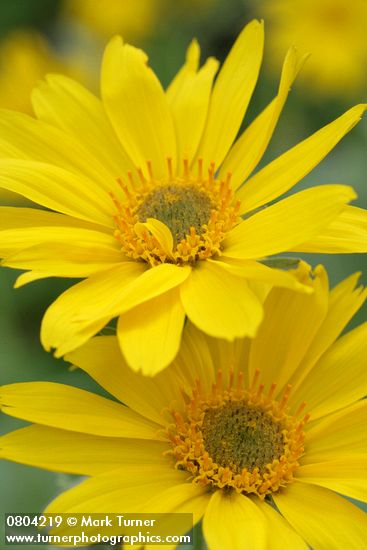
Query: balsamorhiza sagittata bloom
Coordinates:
[226,433]
[333,31]
[134,19]
[148,203]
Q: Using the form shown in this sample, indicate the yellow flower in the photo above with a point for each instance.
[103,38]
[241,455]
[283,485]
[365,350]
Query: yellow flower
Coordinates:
[133,18]
[149,206]
[334,31]
[279,419]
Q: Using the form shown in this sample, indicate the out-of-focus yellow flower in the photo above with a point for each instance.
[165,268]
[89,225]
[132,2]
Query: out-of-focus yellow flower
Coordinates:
[25,58]
[132,18]
[333,31]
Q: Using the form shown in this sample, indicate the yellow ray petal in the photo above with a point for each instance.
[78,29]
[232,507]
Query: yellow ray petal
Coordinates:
[347,234]
[29,277]
[290,323]
[233,521]
[232,93]
[158,323]
[75,453]
[57,189]
[62,102]
[250,270]
[190,66]
[146,398]
[66,407]
[338,378]
[85,308]
[337,436]
[249,148]
[288,169]
[347,476]
[25,137]
[15,217]
[280,226]
[137,107]
[160,231]
[152,283]
[196,504]
[189,103]
[124,489]
[344,301]
[280,533]
[65,259]
[220,303]
[332,521]
[21,244]
[194,359]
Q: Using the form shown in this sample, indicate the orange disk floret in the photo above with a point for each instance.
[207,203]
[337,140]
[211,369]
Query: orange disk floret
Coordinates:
[197,213]
[239,438]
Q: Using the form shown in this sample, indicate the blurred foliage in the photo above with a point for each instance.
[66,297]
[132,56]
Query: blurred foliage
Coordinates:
[215,23]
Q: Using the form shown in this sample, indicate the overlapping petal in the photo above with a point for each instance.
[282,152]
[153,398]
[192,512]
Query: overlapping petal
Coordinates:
[137,107]
[232,93]
[284,172]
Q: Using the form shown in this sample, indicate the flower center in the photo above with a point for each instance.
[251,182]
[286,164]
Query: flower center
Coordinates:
[179,207]
[197,212]
[238,438]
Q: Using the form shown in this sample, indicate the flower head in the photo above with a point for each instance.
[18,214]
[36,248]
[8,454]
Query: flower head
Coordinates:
[228,433]
[134,18]
[333,31]
[147,202]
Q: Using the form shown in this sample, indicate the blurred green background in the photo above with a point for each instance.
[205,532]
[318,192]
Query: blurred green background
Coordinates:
[71,42]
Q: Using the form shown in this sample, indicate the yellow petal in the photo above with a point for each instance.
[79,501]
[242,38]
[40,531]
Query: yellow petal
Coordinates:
[280,533]
[158,323]
[347,234]
[24,137]
[347,476]
[66,407]
[119,380]
[288,169]
[189,103]
[62,102]
[29,277]
[185,498]
[344,301]
[137,107]
[249,148]
[324,519]
[85,308]
[160,231]
[15,217]
[338,378]
[196,503]
[152,283]
[190,66]
[232,93]
[291,220]
[290,323]
[65,260]
[127,489]
[257,271]
[195,359]
[339,435]
[219,303]
[76,453]
[57,189]
[234,522]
